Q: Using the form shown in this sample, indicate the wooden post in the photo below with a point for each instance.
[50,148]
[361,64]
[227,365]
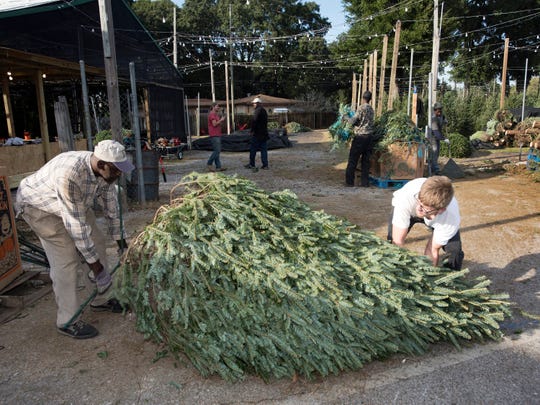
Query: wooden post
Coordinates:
[381,82]
[8,108]
[359,92]
[374,91]
[364,76]
[111,75]
[146,95]
[370,80]
[353,96]
[503,78]
[40,95]
[392,89]
[414,116]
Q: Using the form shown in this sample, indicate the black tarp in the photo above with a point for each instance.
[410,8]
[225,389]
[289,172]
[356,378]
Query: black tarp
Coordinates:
[240,141]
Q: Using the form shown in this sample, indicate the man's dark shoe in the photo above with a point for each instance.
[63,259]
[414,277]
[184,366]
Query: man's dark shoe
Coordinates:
[248,166]
[265,168]
[111,306]
[349,185]
[79,330]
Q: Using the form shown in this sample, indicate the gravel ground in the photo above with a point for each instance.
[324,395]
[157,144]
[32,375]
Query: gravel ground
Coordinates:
[501,236]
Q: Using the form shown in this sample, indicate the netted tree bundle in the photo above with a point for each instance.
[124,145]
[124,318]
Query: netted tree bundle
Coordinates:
[243,281]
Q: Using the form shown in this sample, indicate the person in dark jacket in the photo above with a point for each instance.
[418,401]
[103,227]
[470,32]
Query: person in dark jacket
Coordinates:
[362,143]
[259,135]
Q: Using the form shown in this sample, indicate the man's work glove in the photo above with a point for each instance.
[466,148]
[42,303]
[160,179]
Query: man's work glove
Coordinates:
[101,276]
[447,141]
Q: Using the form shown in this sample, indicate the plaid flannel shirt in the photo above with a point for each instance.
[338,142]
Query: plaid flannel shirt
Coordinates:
[67,187]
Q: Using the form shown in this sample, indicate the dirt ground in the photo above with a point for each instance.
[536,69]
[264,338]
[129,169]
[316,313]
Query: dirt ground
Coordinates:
[501,238]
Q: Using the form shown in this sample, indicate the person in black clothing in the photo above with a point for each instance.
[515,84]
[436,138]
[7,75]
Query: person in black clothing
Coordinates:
[259,135]
[362,122]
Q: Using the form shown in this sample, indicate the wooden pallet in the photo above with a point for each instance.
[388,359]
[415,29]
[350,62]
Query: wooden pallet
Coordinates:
[387,183]
[23,292]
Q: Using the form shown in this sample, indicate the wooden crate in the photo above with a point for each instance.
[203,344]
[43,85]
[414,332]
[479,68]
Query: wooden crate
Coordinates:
[401,161]
[10,258]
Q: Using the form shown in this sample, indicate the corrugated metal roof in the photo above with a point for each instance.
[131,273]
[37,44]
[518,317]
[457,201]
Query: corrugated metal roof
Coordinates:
[10,5]
[11,8]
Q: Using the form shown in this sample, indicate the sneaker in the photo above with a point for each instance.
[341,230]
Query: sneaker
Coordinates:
[221,169]
[112,306]
[211,168]
[103,281]
[265,168]
[248,166]
[79,330]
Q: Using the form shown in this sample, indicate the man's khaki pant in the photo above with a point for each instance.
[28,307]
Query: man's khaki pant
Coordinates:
[64,258]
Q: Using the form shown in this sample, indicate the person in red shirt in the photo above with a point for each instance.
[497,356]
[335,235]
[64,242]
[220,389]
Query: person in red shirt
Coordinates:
[214,130]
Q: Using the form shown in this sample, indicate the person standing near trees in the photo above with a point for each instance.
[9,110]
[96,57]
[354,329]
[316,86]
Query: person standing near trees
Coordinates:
[362,122]
[259,136]
[214,130]
[438,124]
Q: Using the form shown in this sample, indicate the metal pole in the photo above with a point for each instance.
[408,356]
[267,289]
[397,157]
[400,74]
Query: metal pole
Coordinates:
[410,83]
[188,123]
[198,122]
[86,104]
[137,130]
[175,51]
[231,67]
[212,77]
[524,91]
[227,98]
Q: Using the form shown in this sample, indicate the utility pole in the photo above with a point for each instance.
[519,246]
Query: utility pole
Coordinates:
[503,78]
[111,75]
[435,50]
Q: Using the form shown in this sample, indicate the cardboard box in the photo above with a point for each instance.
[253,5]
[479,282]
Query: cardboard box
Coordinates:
[401,161]
[10,257]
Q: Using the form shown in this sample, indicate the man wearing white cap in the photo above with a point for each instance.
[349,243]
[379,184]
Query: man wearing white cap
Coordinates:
[58,203]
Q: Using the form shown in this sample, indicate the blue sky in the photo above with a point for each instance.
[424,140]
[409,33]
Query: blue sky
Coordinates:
[331,9]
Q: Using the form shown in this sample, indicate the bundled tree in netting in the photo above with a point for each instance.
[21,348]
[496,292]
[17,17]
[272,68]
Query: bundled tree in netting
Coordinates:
[341,131]
[243,281]
[460,146]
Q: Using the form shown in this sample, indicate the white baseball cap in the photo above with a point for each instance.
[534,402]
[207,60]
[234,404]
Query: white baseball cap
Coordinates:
[256,100]
[115,153]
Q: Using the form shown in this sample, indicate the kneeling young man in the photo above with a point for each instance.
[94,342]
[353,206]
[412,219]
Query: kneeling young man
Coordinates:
[432,202]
